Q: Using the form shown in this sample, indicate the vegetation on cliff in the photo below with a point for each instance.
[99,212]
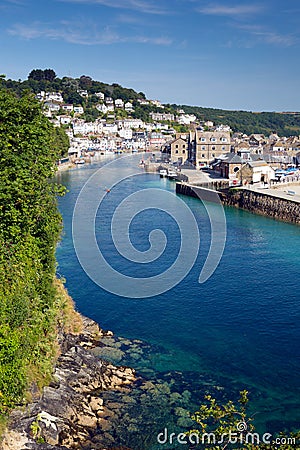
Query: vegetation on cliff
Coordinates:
[30,302]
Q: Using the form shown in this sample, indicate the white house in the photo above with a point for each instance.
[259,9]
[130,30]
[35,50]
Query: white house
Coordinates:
[102,108]
[110,128]
[261,171]
[64,120]
[156,103]
[109,101]
[78,110]
[54,97]
[40,96]
[142,101]
[52,106]
[129,107]
[133,123]
[125,133]
[100,95]
[84,128]
[186,119]
[67,108]
[162,116]
[83,93]
[119,103]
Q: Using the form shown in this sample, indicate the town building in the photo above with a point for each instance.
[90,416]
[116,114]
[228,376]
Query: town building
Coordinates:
[157,117]
[209,145]
[129,107]
[179,149]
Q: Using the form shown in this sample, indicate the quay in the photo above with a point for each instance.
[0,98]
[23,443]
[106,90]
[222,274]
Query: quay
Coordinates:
[276,203]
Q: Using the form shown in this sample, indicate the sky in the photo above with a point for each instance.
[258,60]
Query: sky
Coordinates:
[224,54]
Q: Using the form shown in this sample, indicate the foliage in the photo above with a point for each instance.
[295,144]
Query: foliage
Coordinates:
[228,425]
[38,75]
[249,122]
[61,141]
[30,228]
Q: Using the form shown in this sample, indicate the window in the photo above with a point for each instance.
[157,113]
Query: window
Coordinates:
[202,156]
[213,155]
[213,139]
[183,146]
[213,147]
[176,146]
[203,147]
[223,147]
[183,151]
[223,139]
[202,139]
[236,169]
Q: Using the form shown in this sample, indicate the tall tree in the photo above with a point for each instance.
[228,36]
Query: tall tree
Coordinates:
[49,74]
[39,75]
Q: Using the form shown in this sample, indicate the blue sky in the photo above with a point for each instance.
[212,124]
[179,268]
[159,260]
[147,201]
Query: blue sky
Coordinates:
[232,55]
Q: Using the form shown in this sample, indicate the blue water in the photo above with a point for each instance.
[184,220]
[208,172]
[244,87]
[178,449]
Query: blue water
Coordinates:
[239,328]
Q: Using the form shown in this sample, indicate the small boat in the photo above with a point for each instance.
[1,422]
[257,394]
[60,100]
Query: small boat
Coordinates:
[172,174]
[79,161]
[163,173]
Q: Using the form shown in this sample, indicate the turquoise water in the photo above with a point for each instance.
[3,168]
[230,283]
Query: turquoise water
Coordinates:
[239,329]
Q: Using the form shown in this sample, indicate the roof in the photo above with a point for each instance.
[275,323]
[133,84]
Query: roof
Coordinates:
[233,158]
[257,163]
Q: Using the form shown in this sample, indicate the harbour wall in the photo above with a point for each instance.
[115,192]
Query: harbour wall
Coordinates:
[255,202]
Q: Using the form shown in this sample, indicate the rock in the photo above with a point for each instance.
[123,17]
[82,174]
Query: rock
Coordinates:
[14,441]
[48,427]
[105,425]
[87,421]
[109,333]
[105,413]
[69,411]
[96,403]
[109,353]
[114,405]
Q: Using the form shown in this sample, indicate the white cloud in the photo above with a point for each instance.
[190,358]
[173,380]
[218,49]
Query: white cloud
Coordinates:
[232,11]
[137,5]
[83,34]
[263,35]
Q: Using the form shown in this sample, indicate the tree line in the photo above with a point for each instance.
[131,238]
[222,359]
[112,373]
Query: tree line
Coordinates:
[249,122]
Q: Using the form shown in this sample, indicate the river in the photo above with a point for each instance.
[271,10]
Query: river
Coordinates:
[239,329]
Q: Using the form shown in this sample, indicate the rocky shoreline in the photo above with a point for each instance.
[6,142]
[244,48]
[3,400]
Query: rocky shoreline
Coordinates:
[96,401]
[70,412]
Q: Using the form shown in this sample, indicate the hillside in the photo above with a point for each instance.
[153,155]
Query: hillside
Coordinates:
[248,122]
[70,88]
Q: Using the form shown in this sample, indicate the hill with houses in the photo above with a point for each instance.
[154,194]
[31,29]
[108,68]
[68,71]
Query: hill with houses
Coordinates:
[89,100]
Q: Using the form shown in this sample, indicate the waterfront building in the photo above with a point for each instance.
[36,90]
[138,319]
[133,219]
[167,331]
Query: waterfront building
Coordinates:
[179,149]
[210,145]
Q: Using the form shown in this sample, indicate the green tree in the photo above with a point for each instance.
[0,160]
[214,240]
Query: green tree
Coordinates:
[39,75]
[229,425]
